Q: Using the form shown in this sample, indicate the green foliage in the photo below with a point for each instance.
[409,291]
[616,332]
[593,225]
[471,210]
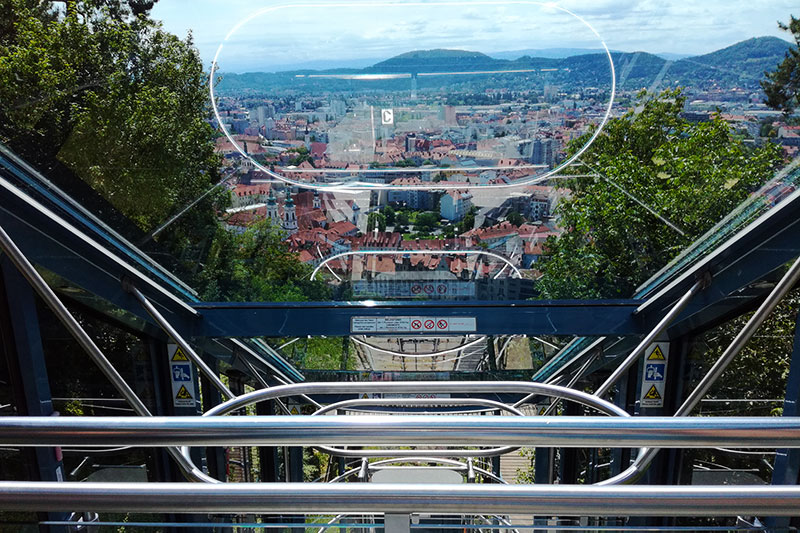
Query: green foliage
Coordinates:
[467,223]
[377,221]
[318,353]
[691,174]
[403,219]
[302,156]
[515,218]
[764,361]
[426,222]
[114,97]
[389,213]
[782,85]
[256,265]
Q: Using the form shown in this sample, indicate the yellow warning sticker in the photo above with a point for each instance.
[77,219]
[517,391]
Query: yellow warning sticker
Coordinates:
[652,394]
[294,411]
[656,355]
[179,356]
[364,396]
[183,394]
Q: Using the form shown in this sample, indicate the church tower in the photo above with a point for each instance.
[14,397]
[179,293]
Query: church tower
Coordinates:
[272,210]
[289,216]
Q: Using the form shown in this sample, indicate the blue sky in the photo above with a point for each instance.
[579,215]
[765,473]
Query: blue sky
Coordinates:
[289,36]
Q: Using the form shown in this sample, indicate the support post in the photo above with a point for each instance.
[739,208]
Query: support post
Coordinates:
[787,461]
[215,457]
[345,352]
[22,343]
[490,353]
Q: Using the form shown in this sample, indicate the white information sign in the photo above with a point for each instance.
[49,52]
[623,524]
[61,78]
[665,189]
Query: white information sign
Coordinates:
[413,324]
[654,375]
[180,374]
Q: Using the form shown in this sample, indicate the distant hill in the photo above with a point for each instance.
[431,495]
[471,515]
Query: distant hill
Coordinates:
[740,65]
[438,60]
[549,53]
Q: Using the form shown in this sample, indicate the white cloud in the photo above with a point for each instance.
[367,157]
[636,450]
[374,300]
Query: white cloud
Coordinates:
[305,33]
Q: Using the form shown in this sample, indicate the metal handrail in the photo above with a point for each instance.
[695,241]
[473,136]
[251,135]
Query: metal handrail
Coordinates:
[470,387]
[457,465]
[469,499]
[465,387]
[425,430]
[388,402]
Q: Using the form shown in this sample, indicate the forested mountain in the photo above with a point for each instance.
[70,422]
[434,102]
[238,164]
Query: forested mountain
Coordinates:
[740,65]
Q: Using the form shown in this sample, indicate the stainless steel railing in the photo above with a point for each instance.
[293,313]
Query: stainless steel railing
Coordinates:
[334,498]
[404,430]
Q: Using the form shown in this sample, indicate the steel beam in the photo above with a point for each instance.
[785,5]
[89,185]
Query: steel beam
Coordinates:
[469,499]
[545,317]
[749,256]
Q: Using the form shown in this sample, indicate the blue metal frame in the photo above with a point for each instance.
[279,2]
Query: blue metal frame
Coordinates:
[542,317]
[30,368]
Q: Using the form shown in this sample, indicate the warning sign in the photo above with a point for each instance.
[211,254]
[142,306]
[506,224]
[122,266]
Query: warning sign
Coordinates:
[181,377]
[654,375]
[656,354]
[653,394]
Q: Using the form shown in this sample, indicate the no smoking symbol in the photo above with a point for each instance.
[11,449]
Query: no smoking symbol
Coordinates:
[442,324]
[416,324]
[416,289]
[429,324]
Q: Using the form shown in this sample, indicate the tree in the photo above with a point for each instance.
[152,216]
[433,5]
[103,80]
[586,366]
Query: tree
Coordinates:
[104,90]
[256,265]
[467,223]
[389,213]
[102,94]
[376,220]
[302,156]
[402,218]
[690,174]
[515,218]
[782,86]
[426,222]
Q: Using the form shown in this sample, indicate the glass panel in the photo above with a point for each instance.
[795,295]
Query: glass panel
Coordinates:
[469,125]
